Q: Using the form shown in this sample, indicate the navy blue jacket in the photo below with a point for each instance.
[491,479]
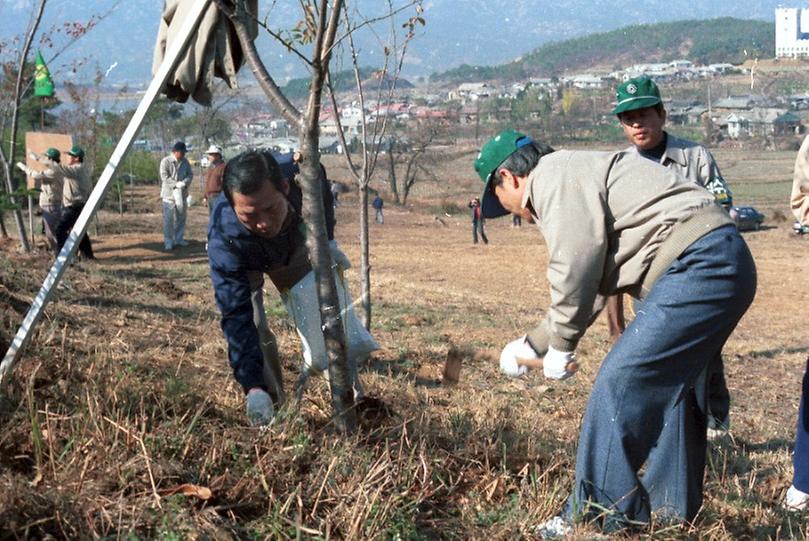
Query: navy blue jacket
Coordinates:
[233,251]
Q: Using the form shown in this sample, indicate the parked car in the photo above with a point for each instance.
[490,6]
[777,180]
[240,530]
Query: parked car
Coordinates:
[747,218]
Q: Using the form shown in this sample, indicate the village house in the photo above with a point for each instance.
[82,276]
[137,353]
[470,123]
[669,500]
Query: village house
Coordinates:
[762,122]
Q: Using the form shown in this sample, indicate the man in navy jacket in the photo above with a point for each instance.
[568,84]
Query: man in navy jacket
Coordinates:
[255,229]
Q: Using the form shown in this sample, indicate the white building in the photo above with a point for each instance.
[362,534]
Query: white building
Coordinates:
[791,32]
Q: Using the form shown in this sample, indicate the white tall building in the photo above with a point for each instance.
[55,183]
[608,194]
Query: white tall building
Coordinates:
[791,32]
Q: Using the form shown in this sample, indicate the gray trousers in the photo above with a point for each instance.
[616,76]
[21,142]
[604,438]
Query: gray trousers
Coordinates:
[273,377]
[174,221]
[51,216]
[648,405]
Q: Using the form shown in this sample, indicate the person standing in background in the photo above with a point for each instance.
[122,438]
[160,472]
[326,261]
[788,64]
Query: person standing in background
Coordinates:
[642,115]
[76,187]
[175,179]
[49,183]
[213,178]
[477,222]
[378,203]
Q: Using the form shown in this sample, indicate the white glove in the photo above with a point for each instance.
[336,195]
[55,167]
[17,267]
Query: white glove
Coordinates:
[557,364]
[337,255]
[22,167]
[33,156]
[180,185]
[516,349]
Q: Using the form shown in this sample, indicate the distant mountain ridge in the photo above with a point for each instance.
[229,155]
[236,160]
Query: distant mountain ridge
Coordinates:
[724,39]
[472,32]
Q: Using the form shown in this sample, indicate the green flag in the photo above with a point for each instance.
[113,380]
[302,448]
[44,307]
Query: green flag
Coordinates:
[43,84]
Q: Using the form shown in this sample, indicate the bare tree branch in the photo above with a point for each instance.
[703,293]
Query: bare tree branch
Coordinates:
[12,147]
[239,16]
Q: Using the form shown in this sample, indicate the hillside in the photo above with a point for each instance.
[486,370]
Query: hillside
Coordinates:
[716,40]
[123,419]
[344,80]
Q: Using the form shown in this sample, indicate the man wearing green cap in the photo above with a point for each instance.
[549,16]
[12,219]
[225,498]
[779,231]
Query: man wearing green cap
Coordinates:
[614,222]
[75,191]
[49,184]
[642,115]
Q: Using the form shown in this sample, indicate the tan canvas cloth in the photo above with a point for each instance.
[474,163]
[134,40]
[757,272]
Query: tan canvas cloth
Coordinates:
[213,52]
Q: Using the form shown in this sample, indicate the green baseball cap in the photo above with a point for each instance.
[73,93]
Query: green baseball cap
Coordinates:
[52,153]
[76,151]
[491,155]
[637,93]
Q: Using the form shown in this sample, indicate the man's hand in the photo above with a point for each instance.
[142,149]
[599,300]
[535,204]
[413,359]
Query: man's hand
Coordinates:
[204,201]
[180,185]
[33,156]
[337,255]
[559,364]
[616,323]
[513,356]
[22,167]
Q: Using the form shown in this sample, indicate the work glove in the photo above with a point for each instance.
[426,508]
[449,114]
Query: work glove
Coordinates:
[259,407]
[22,167]
[516,349]
[33,156]
[180,185]
[337,255]
[558,364]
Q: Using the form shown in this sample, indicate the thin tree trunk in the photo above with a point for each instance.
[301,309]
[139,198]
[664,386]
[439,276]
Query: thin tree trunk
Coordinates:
[394,189]
[344,415]
[365,259]
[12,147]
[3,230]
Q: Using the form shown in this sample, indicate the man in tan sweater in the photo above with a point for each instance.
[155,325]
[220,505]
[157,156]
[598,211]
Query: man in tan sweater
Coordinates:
[50,196]
[614,223]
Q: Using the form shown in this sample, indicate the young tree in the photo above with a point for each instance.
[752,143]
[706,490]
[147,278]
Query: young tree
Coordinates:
[372,133]
[412,154]
[7,157]
[319,29]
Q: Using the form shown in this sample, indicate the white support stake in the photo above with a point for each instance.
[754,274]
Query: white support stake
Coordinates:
[175,50]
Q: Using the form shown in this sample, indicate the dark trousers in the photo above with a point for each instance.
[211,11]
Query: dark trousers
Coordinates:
[801,457]
[69,217]
[648,403]
[477,227]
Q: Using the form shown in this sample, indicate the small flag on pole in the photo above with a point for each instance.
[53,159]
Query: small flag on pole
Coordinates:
[43,84]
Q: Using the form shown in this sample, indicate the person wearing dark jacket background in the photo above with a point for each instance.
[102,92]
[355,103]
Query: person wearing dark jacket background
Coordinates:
[255,228]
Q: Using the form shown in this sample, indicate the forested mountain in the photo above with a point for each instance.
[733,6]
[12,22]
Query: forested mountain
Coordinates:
[709,41]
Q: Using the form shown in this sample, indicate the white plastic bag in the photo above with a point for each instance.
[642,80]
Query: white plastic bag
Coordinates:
[179,200]
[301,303]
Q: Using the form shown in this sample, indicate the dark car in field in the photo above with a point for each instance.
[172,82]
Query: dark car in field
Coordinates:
[747,218]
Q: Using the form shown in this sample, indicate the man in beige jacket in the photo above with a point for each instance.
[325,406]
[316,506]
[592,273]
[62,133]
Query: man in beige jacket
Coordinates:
[50,196]
[614,223]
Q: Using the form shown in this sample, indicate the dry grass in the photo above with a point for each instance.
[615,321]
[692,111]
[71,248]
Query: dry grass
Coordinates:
[125,394]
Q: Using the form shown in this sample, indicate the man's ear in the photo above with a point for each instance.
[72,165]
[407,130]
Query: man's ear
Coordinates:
[508,178]
[285,186]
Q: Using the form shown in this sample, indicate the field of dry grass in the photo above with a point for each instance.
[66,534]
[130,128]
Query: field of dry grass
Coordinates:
[125,395]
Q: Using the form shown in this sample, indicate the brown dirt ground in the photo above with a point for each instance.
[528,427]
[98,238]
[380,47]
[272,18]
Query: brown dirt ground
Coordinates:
[125,391]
